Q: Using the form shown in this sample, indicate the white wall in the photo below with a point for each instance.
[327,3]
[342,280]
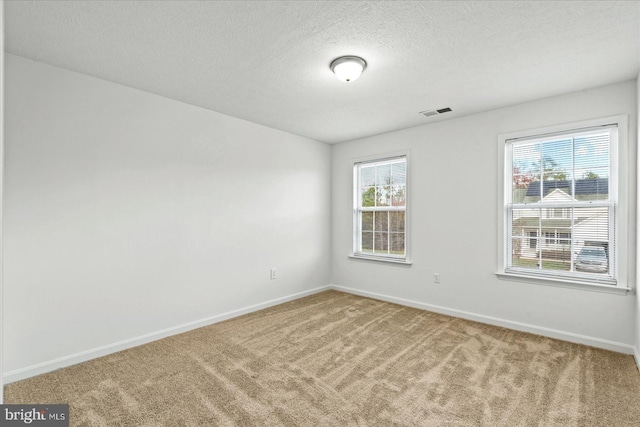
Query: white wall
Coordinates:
[637,349]
[454,169]
[1,185]
[128,213]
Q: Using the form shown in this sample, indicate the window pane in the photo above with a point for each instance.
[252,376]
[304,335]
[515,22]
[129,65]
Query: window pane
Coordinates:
[383,196]
[399,173]
[397,221]
[593,184]
[398,197]
[368,196]
[525,228]
[555,248]
[521,254]
[397,243]
[381,242]
[525,221]
[591,152]
[526,159]
[526,188]
[591,226]
[382,221]
[367,241]
[557,160]
[383,175]
[557,171]
[367,176]
[367,221]
[525,173]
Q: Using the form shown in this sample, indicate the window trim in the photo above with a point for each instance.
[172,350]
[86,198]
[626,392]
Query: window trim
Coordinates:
[620,153]
[406,260]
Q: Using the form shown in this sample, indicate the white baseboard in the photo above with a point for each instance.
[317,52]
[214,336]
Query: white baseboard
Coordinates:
[636,355]
[518,326]
[83,356]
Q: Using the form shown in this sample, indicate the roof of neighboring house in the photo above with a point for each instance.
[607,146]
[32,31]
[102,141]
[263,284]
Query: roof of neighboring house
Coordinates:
[558,195]
[584,187]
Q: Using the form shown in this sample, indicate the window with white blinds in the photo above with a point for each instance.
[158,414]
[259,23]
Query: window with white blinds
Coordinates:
[380,201]
[560,205]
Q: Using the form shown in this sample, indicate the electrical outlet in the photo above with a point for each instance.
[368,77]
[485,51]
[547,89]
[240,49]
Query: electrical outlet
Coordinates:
[272,274]
[436,277]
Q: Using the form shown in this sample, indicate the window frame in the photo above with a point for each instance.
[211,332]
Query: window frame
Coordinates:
[619,172]
[356,228]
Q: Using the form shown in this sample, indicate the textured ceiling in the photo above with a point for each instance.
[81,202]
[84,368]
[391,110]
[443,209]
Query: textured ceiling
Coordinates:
[268,62]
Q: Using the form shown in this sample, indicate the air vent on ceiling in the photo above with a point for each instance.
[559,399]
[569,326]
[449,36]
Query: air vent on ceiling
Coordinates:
[429,113]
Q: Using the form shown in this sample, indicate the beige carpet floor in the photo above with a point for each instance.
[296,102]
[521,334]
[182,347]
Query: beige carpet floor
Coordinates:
[335,359]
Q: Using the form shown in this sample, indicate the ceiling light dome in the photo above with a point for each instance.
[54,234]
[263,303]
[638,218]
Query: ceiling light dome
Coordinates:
[348,68]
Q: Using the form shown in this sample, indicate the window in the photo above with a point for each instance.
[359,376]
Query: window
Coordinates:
[380,200]
[556,238]
[549,237]
[563,238]
[560,213]
[563,187]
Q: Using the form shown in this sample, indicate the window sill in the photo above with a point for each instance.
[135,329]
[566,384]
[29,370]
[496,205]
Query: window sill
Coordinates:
[564,283]
[398,261]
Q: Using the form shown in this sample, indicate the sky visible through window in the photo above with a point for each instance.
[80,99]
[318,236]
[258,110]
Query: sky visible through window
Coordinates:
[583,157]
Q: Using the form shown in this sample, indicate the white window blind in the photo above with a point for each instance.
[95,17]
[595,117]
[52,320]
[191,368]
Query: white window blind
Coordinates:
[380,208]
[560,205]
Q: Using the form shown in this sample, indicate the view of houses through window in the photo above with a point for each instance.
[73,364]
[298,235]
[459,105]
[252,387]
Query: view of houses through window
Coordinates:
[561,210]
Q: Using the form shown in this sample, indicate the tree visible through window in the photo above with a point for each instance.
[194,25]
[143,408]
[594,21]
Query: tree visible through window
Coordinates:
[380,208]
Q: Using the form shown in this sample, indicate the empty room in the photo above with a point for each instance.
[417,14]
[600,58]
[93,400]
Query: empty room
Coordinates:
[320,213]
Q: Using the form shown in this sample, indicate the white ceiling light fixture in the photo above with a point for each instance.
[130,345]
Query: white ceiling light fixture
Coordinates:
[348,68]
